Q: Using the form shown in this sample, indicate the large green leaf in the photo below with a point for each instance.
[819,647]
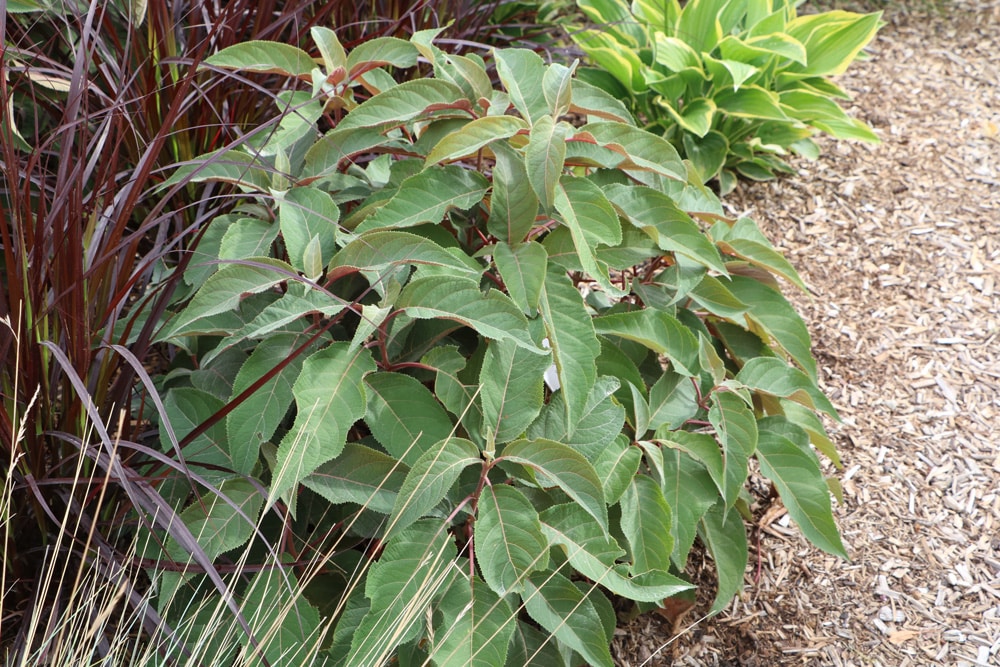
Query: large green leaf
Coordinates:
[521,72]
[690,492]
[474,136]
[218,523]
[595,426]
[553,463]
[772,315]
[509,540]
[404,416]
[329,397]
[280,617]
[672,401]
[513,204]
[595,554]
[671,228]
[774,376]
[522,268]
[646,522]
[339,145]
[557,87]
[261,56]
[403,103]
[726,538]
[380,52]
[564,611]
[360,475]
[492,314]
[186,409]
[704,449]
[795,471]
[226,288]
[736,430]
[476,627]
[455,392]
[657,330]
[378,250]
[402,585]
[224,166]
[571,335]
[428,196]
[591,101]
[543,159]
[531,647]
[308,219]
[645,151]
[588,214]
[511,389]
[255,420]
[616,465]
[429,480]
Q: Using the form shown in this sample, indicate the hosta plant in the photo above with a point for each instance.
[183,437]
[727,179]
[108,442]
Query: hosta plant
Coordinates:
[733,84]
[475,366]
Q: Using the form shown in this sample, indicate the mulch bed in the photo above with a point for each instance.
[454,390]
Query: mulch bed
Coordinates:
[900,245]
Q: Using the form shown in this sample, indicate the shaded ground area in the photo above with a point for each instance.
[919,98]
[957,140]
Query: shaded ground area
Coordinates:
[900,244]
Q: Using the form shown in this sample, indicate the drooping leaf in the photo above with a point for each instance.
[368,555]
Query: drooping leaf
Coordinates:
[795,471]
[286,625]
[657,330]
[513,204]
[616,465]
[509,540]
[736,430]
[476,626]
[672,401]
[774,376]
[704,449]
[404,416]
[227,287]
[690,492]
[256,419]
[522,268]
[595,426]
[646,521]
[492,314]
[571,335]
[531,647]
[511,389]
[726,538]
[411,572]
[594,554]
[773,316]
[427,196]
[645,151]
[521,71]
[261,56]
[338,145]
[360,475]
[474,136]
[430,478]
[378,250]
[553,463]
[564,611]
[591,220]
[402,103]
[672,229]
[543,159]
[380,52]
[329,397]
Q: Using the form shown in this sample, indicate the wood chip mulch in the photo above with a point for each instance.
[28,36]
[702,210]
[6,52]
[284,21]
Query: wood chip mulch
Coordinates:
[900,245]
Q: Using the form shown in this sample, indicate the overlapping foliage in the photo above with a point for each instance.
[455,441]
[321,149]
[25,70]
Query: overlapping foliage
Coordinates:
[488,365]
[732,84]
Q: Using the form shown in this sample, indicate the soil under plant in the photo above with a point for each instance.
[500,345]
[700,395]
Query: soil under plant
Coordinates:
[900,244]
